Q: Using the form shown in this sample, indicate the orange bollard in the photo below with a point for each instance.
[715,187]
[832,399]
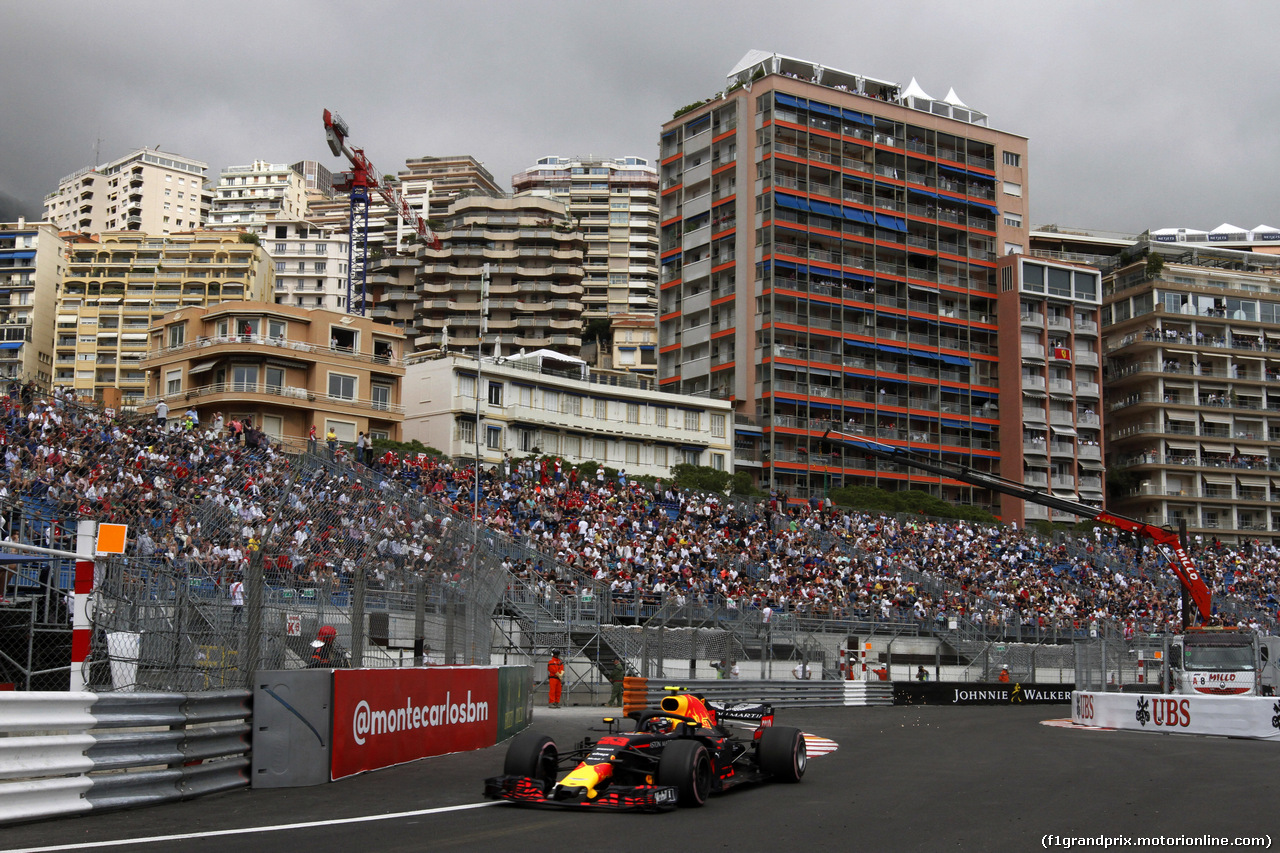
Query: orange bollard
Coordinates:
[635,694]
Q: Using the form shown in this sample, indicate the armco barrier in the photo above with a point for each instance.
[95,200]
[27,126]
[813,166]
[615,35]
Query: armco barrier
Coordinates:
[74,752]
[646,693]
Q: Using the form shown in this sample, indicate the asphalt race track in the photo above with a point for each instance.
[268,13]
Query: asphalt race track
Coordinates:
[904,778]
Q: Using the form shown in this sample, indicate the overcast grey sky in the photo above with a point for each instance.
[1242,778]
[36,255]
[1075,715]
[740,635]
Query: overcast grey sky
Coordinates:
[1140,114]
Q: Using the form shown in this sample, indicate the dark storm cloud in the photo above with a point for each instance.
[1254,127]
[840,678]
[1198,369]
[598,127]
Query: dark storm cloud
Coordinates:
[1139,114]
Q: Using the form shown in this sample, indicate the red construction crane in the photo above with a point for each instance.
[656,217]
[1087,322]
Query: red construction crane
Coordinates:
[362,178]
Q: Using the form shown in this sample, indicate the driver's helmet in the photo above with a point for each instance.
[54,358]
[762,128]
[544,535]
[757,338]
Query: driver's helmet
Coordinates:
[660,725]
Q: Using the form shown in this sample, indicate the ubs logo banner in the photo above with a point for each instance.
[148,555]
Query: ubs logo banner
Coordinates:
[1226,716]
[383,717]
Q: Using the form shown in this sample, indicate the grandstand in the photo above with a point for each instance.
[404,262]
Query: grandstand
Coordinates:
[665,579]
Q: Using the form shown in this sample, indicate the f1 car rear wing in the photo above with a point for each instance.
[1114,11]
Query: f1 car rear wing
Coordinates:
[1165,540]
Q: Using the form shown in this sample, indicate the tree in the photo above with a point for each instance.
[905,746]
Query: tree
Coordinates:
[598,329]
[699,477]
[1155,265]
[249,237]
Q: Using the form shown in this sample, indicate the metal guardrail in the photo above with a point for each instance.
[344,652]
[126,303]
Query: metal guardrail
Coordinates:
[67,753]
[813,693]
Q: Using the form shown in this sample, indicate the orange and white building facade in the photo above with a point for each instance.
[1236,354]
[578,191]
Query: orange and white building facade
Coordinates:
[828,253]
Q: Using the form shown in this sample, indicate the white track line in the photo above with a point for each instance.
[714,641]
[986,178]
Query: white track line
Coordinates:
[123,842]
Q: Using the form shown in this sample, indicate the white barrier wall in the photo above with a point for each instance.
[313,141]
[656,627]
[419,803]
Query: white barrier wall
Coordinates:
[1227,716]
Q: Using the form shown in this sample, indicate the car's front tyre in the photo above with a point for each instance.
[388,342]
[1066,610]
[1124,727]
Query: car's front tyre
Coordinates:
[686,766]
[533,755]
[782,753]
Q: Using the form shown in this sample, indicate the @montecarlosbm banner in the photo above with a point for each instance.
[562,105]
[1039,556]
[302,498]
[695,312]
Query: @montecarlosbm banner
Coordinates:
[980,693]
[383,717]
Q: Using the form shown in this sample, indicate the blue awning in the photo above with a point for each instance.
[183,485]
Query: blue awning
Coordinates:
[10,344]
[21,256]
[981,205]
[789,201]
[919,191]
[789,101]
[966,173]
[786,265]
[815,106]
[858,117]
[894,350]
[855,215]
[891,222]
[956,360]
[825,208]
[857,276]
[984,394]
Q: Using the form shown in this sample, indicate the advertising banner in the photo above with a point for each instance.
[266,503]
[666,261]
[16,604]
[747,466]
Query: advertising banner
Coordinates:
[979,693]
[383,717]
[1229,716]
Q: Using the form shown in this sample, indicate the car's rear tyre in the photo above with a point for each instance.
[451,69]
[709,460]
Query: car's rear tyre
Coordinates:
[782,753]
[533,755]
[686,766]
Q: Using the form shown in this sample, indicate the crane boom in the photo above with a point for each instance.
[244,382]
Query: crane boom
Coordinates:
[365,175]
[1164,539]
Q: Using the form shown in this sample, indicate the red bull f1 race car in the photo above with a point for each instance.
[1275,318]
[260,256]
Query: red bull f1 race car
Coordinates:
[675,755]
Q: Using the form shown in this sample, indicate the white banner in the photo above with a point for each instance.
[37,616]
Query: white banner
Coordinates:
[1228,716]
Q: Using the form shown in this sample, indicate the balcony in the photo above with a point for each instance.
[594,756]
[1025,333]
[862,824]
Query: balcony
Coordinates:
[287,394]
[1033,351]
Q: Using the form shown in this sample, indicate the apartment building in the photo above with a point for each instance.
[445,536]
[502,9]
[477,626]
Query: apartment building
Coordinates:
[1050,432]
[249,198]
[828,260]
[534,256]
[310,264]
[280,367]
[117,284]
[146,191]
[1191,338]
[615,204]
[546,403]
[31,267]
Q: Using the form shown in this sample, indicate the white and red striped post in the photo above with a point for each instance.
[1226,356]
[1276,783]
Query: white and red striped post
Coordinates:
[86,545]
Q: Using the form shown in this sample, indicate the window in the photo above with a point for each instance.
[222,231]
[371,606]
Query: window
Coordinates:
[1013,220]
[177,335]
[601,451]
[321,266]
[342,387]
[345,430]
[1013,248]
[633,453]
[526,395]
[244,377]
[173,382]
[660,416]
[466,386]
[551,401]
[602,410]
[1010,188]
[275,380]
[381,396]
[281,248]
[717,426]
[279,266]
[467,432]
[275,329]
[633,413]
[1012,159]
[493,438]
[693,420]
[572,405]
[495,393]
[717,461]
[691,457]
[660,457]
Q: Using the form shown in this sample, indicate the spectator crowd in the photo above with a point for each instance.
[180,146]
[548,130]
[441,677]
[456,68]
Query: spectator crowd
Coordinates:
[202,497]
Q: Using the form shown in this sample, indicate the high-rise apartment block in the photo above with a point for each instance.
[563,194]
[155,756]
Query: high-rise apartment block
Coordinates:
[828,254]
[534,256]
[1050,433]
[249,197]
[117,285]
[1191,336]
[147,191]
[31,266]
[615,203]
